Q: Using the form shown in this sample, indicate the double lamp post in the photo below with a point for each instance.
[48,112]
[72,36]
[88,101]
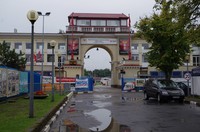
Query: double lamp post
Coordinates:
[32,16]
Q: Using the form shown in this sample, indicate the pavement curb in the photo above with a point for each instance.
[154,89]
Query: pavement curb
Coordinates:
[53,119]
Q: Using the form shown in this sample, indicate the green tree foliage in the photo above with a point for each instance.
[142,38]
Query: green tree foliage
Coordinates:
[10,58]
[166,31]
[98,73]
[189,11]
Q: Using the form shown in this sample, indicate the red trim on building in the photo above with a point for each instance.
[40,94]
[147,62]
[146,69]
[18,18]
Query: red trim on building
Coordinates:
[97,16]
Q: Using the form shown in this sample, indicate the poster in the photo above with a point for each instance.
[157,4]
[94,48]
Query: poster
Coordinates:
[73,46]
[13,83]
[124,46]
[23,85]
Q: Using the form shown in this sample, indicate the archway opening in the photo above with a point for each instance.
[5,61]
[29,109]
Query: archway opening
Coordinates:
[97,58]
[97,64]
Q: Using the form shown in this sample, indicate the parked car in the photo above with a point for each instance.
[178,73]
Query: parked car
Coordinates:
[184,87]
[129,86]
[163,90]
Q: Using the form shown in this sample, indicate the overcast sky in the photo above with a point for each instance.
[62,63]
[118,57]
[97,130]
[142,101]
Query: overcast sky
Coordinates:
[13,16]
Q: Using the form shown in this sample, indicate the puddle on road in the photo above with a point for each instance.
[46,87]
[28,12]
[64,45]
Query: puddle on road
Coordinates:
[103,116]
[102,96]
[105,123]
[101,104]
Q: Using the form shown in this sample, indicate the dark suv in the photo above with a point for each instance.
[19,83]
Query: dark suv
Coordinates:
[163,90]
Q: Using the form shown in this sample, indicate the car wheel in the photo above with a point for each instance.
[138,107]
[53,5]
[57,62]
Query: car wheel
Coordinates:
[146,97]
[159,98]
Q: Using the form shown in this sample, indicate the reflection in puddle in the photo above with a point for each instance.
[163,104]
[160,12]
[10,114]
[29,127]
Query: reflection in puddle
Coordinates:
[105,123]
[102,96]
[103,116]
[101,104]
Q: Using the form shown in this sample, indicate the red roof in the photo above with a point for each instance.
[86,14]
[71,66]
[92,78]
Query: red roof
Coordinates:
[98,15]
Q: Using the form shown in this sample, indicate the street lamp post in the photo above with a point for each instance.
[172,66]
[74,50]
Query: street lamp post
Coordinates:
[32,16]
[187,60]
[59,66]
[53,44]
[40,14]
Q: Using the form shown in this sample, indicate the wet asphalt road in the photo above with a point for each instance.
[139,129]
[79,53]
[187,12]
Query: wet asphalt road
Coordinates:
[126,112]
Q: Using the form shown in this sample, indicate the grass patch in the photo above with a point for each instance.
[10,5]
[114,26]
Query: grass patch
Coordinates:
[14,115]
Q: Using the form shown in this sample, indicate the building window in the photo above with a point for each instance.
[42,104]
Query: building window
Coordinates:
[123,23]
[145,46]
[8,44]
[49,58]
[39,45]
[144,58]
[49,46]
[196,59]
[62,60]
[18,45]
[98,23]
[135,57]
[28,57]
[135,46]
[28,45]
[61,46]
[112,22]
[83,22]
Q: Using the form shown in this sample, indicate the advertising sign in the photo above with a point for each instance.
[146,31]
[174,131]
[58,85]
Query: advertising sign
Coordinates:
[73,46]
[23,85]
[124,46]
[98,41]
[81,83]
[66,79]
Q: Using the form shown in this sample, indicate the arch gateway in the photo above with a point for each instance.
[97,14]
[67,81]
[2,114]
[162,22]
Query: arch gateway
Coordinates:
[108,31]
[84,32]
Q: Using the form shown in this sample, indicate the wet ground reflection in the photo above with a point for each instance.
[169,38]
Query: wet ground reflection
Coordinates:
[103,116]
[105,123]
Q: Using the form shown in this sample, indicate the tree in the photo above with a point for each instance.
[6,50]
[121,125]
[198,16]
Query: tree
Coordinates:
[98,73]
[168,36]
[189,11]
[10,58]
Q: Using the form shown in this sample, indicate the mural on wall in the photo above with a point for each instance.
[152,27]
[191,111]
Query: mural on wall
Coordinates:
[3,80]
[23,85]
[73,46]
[124,46]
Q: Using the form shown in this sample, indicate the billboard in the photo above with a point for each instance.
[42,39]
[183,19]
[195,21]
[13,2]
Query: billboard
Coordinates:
[73,46]
[124,46]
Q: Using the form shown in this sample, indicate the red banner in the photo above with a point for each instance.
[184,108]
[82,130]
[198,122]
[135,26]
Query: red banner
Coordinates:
[65,79]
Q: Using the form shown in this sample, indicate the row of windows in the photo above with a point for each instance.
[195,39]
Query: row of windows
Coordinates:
[101,22]
[144,46]
[39,45]
[175,74]
[50,58]
[135,57]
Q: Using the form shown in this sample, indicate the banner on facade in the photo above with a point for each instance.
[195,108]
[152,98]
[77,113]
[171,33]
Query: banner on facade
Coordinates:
[73,46]
[124,46]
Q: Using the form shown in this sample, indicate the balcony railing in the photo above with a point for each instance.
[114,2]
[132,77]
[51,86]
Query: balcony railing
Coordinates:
[98,29]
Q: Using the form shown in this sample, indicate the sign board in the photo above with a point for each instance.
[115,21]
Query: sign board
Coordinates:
[98,41]
[187,76]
